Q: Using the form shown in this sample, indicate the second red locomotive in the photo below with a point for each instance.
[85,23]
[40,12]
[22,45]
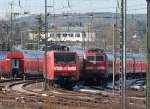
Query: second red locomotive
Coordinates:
[98,65]
[95,65]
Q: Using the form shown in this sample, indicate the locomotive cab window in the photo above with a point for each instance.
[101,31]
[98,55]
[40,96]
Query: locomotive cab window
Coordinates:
[64,58]
[99,58]
[70,59]
[59,58]
[91,58]
[95,58]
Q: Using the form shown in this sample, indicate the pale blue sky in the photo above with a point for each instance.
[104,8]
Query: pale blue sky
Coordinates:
[37,6]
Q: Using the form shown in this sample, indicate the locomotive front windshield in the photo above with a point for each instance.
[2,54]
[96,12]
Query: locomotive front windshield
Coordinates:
[95,58]
[91,58]
[99,58]
[62,58]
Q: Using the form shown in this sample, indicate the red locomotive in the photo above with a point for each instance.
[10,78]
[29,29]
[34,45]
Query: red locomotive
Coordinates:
[95,65]
[98,65]
[62,66]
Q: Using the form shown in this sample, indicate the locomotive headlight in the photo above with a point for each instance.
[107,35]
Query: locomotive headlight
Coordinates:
[89,68]
[72,68]
[58,68]
[101,68]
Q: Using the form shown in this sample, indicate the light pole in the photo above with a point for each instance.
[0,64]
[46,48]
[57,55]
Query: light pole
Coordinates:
[148,56]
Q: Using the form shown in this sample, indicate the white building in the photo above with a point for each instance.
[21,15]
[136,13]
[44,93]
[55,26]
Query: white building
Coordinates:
[68,34]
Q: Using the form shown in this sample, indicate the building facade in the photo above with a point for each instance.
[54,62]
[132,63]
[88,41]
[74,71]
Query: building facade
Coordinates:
[65,34]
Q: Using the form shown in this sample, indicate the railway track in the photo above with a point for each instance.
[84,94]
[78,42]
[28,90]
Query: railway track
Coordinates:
[55,96]
[64,98]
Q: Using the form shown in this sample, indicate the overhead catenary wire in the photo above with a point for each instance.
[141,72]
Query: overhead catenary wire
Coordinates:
[69,4]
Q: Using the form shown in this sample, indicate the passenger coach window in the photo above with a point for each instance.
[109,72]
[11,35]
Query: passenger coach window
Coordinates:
[99,58]
[91,58]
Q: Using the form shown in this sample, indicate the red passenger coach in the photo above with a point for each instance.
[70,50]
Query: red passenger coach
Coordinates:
[95,65]
[136,65]
[25,62]
[62,66]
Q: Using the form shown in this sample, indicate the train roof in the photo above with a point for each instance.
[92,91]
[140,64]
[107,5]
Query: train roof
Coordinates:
[38,53]
[33,53]
[129,55]
[96,49]
[65,52]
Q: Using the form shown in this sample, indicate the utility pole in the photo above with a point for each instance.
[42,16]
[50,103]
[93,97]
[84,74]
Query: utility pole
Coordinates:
[115,36]
[123,54]
[88,40]
[114,56]
[21,34]
[46,37]
[11,24]
[148,56]
[83,40]
[92,40]
[11,35]
[39,18]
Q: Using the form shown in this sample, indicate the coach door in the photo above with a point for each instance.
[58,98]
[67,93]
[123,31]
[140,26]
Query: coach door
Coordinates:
[15,67]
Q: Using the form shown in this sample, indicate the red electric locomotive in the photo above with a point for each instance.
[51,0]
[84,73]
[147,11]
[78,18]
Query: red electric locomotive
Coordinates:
[98,65]
[95,65]
[62,66]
